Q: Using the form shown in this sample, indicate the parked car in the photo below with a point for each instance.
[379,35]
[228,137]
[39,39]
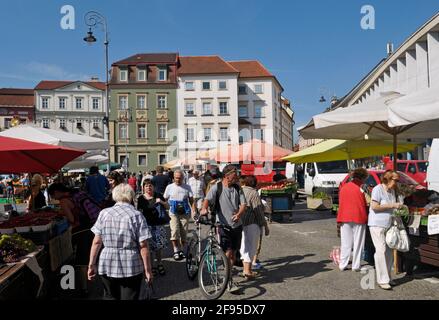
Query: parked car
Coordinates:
[416,169]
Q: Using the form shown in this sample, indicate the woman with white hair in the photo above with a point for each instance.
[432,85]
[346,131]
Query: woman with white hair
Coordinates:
[123,233]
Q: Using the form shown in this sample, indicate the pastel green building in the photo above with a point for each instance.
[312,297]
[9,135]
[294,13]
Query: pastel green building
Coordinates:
[143,114]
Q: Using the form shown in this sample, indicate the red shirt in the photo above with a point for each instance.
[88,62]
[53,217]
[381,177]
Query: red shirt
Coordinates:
[352,204]
[133,183]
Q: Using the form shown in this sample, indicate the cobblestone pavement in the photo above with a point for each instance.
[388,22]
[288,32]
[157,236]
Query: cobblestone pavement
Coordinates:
[296,266]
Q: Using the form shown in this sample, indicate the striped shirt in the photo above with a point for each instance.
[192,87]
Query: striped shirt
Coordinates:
[255,209]
[121,228]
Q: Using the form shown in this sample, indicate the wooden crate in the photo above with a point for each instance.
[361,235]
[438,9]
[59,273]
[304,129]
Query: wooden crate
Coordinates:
[318,204]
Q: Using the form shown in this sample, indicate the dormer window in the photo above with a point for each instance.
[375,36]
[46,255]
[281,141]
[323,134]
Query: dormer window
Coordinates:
[162,73]
[123,75]
[141,75]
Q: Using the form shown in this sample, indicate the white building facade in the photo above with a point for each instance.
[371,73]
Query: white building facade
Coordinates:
[259,103]
[207,101]
[71,106]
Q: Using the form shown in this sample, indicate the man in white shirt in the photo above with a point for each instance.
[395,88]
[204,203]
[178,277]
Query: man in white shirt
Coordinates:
[180,199]
[198,187]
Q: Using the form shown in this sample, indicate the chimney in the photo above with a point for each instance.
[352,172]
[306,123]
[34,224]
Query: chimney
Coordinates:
[389,49]
[94,79]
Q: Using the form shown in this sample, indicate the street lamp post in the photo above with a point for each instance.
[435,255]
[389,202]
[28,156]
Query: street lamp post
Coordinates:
[92,20]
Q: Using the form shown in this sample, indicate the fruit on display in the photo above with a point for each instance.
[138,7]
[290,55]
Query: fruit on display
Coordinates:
[286,186]
[13,247]
[403,211]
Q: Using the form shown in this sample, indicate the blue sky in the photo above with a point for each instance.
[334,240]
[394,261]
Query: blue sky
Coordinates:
[313,46]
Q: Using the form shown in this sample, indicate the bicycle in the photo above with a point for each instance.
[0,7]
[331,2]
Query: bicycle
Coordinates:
[211,265]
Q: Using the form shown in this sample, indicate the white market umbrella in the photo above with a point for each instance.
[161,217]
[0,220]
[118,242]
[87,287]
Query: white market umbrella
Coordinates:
[55,137]
[87,162]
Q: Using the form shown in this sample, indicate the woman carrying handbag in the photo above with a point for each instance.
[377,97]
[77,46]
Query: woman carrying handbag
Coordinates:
[384,200]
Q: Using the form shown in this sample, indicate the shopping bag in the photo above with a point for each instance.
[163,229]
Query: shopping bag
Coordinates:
[334,255]
[396,236]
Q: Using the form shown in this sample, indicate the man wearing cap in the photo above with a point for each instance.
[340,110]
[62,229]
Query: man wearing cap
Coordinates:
[228,205]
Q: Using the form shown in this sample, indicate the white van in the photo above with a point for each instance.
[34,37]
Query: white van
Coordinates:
[323,176]
[433,167]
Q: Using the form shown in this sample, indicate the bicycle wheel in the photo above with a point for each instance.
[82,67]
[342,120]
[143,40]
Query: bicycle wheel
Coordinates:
[192,257]
[214,273]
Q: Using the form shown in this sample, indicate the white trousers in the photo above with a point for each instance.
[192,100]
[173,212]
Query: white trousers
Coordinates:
[352,238]
[249,242]
[383,255]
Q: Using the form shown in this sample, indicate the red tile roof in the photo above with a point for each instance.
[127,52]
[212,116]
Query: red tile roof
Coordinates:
[50,85]
[250,69]
[204,65]
[149,58]
[16,97]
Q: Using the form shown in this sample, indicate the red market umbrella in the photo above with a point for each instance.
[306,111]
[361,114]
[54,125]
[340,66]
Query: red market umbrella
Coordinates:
[18,156]
[251,151]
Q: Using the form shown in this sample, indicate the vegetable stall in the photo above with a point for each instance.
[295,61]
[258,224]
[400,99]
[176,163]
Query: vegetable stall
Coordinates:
[280,198]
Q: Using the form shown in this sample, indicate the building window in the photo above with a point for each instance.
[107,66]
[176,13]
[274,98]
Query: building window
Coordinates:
[123,132]
[79,124]
[123,75]
[44,103]
[258,134]
[141,160]
[189,86]
[78,103]
[259,88]
[95,103]
[46,123]
[223,108]
[242,89]
[207,108]
[259,111]
[163,158]
[62,123]
[162,131]
[206,85]
[190,110]
[122,158]
[141,75]
[207,134]
[190,134]
[161,102]
[62,103]
[222,85]
[141,131]
[96,123]
[141,102]
[224,134]
[243,111]
[123,103]
[162,74]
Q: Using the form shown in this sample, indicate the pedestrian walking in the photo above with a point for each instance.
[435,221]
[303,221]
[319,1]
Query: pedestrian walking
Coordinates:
[114,179]
[97,185]
[384,200]
[180,198]
[154,206]
[228,205]
[160,181]
[139,181]
[352,216]
[132,181]
[198,187]
[253,221]
[122,233]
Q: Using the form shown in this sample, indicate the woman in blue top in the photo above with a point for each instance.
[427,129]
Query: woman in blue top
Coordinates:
[384,200]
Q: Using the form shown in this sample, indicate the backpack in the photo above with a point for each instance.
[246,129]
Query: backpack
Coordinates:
[89,208]
[219,191]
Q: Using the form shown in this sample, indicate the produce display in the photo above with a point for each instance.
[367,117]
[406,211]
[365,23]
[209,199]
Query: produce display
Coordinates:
[14,247]
[286,186]
[403,211]
[40,221]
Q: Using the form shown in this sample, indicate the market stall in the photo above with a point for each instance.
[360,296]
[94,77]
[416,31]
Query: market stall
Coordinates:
[280,198]
[35,243]
[420,218]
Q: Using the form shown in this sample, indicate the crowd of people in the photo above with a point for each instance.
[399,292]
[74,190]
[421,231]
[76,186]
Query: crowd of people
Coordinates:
[119,221]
